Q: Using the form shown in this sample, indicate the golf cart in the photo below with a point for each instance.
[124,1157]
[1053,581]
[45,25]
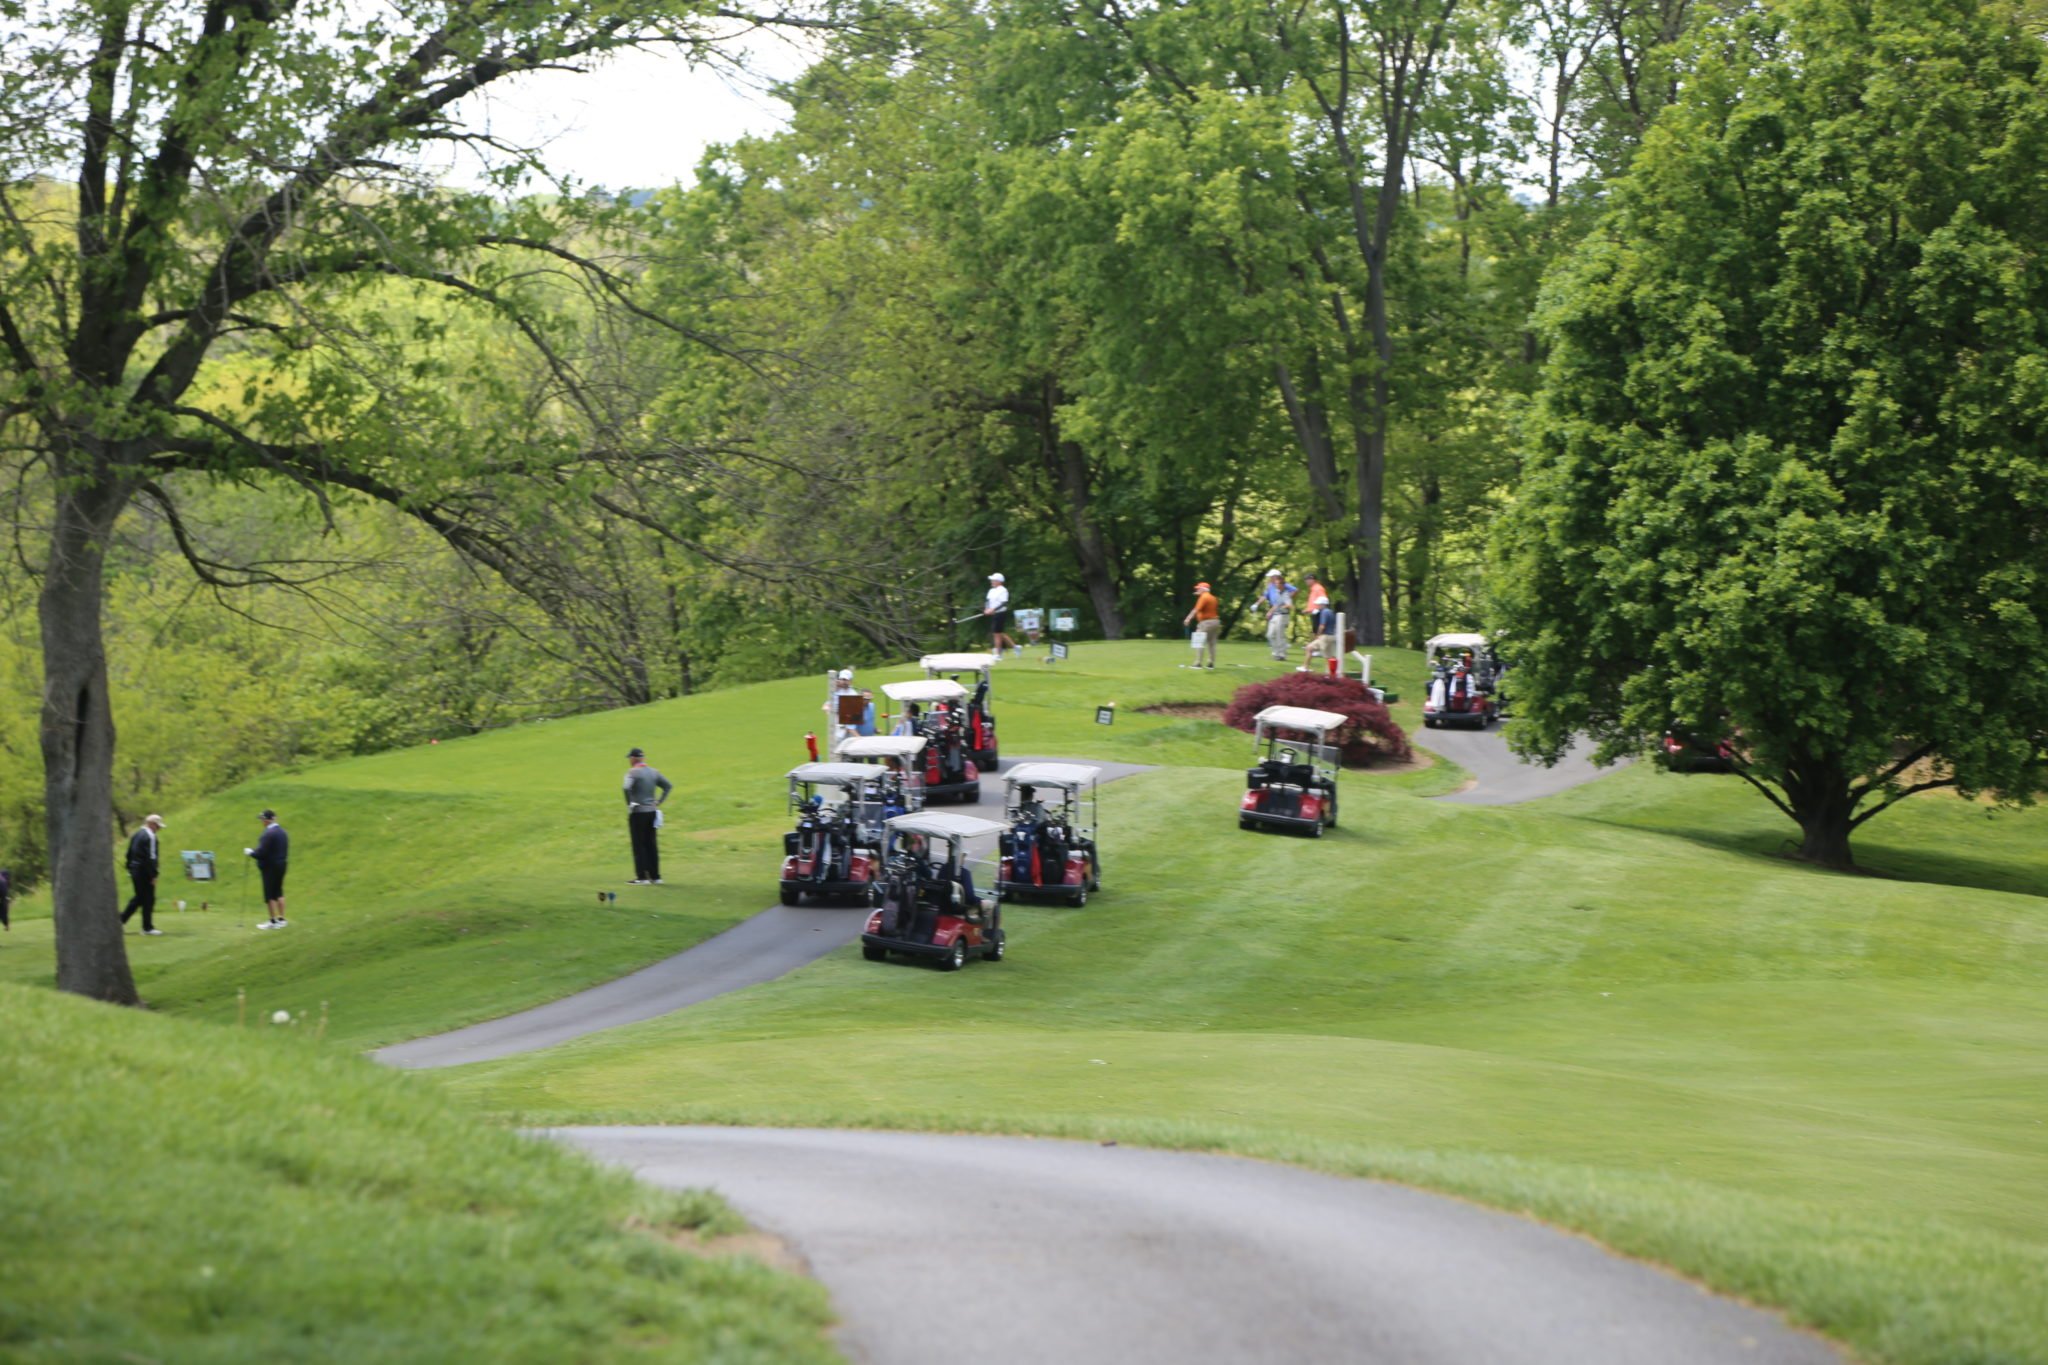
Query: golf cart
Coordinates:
[1683,751]
[1463,671]
[1294,783]
[937,710]
[981,721]
[1049,847]
[930,908]
[836,847]
[900,759]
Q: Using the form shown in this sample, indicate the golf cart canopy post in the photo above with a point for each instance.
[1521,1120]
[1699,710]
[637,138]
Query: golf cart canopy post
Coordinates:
[926,691]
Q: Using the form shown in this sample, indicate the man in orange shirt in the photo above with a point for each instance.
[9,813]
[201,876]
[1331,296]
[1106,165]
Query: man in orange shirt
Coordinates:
[1207,619]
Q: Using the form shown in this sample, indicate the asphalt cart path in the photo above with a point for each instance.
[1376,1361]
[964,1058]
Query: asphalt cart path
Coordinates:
[963,1250]
[773,943]
[1500,776]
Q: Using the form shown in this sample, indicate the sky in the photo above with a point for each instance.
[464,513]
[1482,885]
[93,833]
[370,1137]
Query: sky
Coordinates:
[640,121]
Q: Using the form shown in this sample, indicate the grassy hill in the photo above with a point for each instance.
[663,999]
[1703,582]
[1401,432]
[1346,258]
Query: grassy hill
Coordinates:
[174,1191]
[1619,1009]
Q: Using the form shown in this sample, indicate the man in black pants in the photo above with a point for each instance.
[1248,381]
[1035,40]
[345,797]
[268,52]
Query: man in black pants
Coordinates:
[142,866]
[645,789]
[271,853]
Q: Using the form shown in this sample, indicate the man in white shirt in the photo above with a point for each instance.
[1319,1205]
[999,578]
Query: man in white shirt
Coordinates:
[997,610]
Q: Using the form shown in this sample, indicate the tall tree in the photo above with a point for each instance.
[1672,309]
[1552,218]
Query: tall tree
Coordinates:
[1788,478]
[238,168]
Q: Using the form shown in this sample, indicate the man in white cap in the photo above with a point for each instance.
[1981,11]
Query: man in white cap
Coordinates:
[1276,599]
[997,610]
[142,868]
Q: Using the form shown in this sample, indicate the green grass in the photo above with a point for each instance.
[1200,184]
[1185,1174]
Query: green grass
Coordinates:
[438,886]
[1619,1009]
[178,1192]
[1826,1093]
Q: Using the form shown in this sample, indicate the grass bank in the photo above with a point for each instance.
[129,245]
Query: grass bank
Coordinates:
[1617,1010]
[179,1192]
[438,886]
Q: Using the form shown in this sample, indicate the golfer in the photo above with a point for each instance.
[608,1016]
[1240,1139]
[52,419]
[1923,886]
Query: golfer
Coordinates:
[645,789]
[1207,619]
[997,609]
[142,869]
[1277,600]
[1322,624]
[272,852]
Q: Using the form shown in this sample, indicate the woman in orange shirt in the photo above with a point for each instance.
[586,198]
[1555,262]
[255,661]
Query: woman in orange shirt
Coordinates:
[1207,619]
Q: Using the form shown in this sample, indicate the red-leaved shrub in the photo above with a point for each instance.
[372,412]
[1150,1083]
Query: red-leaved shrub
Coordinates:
[1371,736]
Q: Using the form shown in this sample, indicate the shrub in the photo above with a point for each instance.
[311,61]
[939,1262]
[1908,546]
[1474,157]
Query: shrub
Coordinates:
[1370,737]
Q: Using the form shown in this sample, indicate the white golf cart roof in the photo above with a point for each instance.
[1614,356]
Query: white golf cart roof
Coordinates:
[930,689]
[944,825]
[1454,641]
[881,746]
[1303,718]
[835,774]
[949,663]
[1066,776]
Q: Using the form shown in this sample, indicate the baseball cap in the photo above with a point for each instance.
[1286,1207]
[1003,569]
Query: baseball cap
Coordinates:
[1201,587]
[269,814]
[846,675]
[636,753]
[1273,573]
[153,820]
[995,578]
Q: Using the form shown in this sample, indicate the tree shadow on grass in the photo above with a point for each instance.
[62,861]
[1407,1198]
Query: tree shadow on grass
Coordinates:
[1874,858]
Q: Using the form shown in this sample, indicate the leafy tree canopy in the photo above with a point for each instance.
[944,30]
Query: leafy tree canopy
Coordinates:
[1788,478]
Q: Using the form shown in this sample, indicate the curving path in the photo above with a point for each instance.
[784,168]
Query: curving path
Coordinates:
[1502,777]
[771,944]
[961,1250]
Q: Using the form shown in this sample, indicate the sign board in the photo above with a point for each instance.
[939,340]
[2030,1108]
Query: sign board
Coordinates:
[198,866]
[1105,715]
[1031,620]
[1064,620]
[1059,649]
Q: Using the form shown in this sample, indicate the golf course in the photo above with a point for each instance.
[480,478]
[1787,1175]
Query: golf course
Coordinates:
[1619,1009]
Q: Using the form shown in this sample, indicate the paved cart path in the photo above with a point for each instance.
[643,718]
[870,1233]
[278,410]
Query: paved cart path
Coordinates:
[961,1250]
[1500,776]
[773,943]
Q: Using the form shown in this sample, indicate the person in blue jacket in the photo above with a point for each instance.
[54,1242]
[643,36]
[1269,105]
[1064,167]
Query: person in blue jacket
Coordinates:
[272,852]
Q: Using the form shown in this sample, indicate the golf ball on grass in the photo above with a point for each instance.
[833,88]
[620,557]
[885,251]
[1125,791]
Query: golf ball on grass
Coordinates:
[281,1017]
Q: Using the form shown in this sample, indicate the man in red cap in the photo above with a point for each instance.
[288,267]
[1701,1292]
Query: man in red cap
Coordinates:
[1207,619]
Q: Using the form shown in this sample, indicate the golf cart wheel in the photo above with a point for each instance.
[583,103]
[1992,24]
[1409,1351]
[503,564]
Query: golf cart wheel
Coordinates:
[996,946]
[1315,831]
[790,897]
[874,954]
[1332,809]
[1079,898]
[956,959]
[971,795]
[1429,722]
[1243,823]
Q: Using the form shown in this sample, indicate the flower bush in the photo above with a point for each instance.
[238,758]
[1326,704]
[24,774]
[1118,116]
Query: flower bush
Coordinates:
[1370,737]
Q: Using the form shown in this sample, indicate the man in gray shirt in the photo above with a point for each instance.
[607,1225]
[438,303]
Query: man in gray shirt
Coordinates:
[645,789]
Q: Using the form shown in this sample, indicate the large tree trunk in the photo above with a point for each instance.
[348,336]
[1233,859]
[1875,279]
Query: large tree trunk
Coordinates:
[78,742]
[1092,550]
[1821,801]
[1369,455]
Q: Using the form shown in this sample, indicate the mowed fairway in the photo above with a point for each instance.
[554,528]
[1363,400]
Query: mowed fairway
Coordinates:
[1618,1009]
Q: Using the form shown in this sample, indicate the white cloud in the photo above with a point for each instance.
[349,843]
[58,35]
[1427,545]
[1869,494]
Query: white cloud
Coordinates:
[641,120]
